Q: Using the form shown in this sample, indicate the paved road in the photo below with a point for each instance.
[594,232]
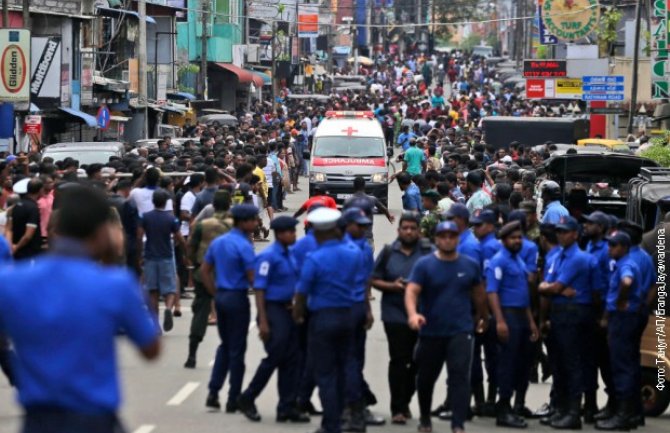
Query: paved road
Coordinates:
[166,398]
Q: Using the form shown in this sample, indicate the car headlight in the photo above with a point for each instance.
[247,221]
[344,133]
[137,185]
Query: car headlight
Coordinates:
[379,178]
[317,177]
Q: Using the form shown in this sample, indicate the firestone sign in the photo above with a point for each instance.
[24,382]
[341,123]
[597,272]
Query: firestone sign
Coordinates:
[570,20]
[14,65]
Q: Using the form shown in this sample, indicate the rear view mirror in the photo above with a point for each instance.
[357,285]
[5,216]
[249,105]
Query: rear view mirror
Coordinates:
[306,155]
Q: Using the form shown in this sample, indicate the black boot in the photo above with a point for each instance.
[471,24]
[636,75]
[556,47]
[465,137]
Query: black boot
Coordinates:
[192,350]
[637,418]
[248,408]
[478,395]
[356,421]
[590,407]
[489,409]
[608,411]
[621,419]
[571,419]
[506,418]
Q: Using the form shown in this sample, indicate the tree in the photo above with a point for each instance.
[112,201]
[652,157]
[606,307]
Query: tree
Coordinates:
[453,11]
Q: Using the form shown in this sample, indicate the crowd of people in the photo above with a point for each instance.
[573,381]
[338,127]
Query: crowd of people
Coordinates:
[487,269]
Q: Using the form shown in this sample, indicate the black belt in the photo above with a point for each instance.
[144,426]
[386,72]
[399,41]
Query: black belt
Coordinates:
[515,310]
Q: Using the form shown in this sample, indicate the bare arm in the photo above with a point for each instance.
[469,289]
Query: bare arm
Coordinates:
[481,306]
[263,324]
[415,320]
[152,350]
[26,238]
[207,275]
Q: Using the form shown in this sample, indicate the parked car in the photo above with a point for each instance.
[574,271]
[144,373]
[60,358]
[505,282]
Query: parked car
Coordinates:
[90,152]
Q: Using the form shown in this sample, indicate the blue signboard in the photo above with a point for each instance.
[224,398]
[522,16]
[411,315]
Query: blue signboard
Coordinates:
[103,117]
[603,97]
[598,88]
[546,38]
[603,88]
[603,79]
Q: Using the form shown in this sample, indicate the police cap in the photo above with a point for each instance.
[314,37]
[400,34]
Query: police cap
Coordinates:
[567,224]
[619,238]
[283,223]
[244,212]
[355,215]
[324,218]
[446,226]
[598,217]
[21,187]
[509,228]
[486,216]
[458,210]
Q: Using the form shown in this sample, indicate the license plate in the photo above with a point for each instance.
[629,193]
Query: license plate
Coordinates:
[344,196]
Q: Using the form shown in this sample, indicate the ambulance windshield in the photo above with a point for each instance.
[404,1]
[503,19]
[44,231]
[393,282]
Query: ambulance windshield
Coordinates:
[349,147]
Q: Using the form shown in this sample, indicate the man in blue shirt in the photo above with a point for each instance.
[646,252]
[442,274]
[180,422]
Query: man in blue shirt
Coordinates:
[392,268]
[274,283]
[411,199]
[64,341]
[509,300]
[569,287]
[468,244]
[484,228]
[404,137]
[160,274]
[355,223]
[231,257]
[553,209]
[443,289]
[328,292]
[622,305]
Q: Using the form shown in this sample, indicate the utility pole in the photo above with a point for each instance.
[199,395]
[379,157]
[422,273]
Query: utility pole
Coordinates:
[203,48]
[636,58]
[26,14]
[142,61]
[274,64]
[5,14]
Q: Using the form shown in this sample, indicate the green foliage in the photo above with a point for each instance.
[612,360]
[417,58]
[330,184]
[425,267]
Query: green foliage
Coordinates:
[607,31]
[659,151]
[453,11]
[470,42]
[542,52]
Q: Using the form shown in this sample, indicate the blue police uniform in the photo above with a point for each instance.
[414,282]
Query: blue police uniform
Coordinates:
[490,247]
[571,320]
[356,360]
[554,212]
[69,327]
[507,275]
[277,275]
[623,330]
[330,296]
[232,256]
[468,245]
[529,254]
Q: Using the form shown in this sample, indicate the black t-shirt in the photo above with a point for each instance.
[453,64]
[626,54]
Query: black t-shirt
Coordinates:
[26,214]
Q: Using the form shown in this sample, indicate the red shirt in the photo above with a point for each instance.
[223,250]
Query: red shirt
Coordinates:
[319,199]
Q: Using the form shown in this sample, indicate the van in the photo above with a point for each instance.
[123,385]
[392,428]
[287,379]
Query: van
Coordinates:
[346,145]
[87,153]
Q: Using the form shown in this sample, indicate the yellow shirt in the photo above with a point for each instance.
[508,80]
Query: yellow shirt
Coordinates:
[264,181]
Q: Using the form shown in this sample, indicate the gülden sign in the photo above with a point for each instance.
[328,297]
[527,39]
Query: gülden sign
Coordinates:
[14,65]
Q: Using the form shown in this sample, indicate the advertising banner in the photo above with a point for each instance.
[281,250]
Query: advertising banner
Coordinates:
[45,81]
[15,65]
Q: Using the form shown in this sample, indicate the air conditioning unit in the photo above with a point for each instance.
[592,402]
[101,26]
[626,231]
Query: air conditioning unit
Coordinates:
[253,53]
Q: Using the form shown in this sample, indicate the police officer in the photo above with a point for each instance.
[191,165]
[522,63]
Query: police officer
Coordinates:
[72,322]
[232,257]
[622,305]
[484,228]
[355,223]
[569,287]
[203,235]
[443,290]
[551,197]
[274,283]
[509,300]
[328,293]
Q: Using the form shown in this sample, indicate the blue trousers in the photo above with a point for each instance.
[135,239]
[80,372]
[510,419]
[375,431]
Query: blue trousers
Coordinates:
[570,328]
[514,356]
[489,343]
[329,338]
[56,420]
[282,355]
[431,354]
[232,320]
[307,381]
[623,335]
[356,358]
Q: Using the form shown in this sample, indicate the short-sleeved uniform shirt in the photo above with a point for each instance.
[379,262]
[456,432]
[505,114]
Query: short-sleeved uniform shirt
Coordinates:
[303,247]
[276,273]
[26,214]
[365,270]
[446,294]
[478,201]
[232,256]
[507,276]
[573,267]
[600,251]
[65,340]
[143,198]
[554,212]
[414,158]
[159,225]
[411,199]
[328,275]
[470,246]
[647,269]
[390,265]
[187,202]
[490,247]
[625,267]
[529,254]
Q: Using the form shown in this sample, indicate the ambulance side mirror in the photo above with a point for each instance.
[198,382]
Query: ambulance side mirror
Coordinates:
[389,152]
[306,155]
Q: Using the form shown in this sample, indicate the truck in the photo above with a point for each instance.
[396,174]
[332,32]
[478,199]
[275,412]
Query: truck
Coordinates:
[500,131]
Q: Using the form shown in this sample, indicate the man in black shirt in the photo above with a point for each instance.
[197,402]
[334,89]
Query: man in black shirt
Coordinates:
[25,222]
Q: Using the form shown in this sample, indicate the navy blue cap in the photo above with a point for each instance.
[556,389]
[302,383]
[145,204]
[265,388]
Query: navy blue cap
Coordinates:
[355,215]
[446,226]
[598,217]
[509,228]
[567,224]
[244,211]
[614,220]
[283,222]
[487,216]
[458,210]
[619,238]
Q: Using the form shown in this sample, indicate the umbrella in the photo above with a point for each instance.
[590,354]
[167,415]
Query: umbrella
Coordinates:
[365,61]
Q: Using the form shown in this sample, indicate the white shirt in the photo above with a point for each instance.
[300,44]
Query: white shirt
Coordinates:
[143,198]
[268,170]
[187,202]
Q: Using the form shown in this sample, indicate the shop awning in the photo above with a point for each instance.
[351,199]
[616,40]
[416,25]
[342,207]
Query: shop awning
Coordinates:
[86,118]
[118,86]
[266,78]
[182,95]
[243,76]
[117,13]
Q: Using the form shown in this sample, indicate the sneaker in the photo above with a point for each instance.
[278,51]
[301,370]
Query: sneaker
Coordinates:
[190,363]
[168,323]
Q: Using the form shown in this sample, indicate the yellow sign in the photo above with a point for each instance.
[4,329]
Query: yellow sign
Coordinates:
[570,20]
[568,88]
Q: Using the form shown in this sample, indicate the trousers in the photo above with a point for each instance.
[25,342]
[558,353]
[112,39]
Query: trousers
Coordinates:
[201,307]
[402,368]
[329,337]
[569,333]
[57,420]
[431,354]
[282,355]
[356,356]
[623,336]
[232,321]
[488,342]
[514,355]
